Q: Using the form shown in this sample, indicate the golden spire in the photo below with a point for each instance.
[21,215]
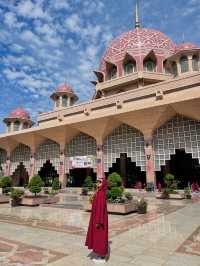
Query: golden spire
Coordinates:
[137,15]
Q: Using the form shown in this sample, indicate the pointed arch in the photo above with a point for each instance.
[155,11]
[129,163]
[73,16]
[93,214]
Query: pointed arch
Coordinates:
[81,145]
[178,133]
[124,139]
[111,71]
[129,64]
[20,176]
[48,150]
[150,62]
[21,154]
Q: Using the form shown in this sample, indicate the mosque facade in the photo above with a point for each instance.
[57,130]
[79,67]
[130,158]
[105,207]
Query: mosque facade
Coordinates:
[142,122]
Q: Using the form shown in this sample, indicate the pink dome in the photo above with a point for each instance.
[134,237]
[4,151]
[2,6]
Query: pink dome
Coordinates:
[136,42]
[65,88]
[19,113]
[185,46]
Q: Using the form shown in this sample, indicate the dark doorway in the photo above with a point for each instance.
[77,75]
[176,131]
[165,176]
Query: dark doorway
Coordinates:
[183,167]
[20,176]
[130,173]
[77,176]
[48,173]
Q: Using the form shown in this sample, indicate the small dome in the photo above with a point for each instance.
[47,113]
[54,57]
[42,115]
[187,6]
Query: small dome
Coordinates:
[185,46]
[19,113]
[138,42]
[65,88]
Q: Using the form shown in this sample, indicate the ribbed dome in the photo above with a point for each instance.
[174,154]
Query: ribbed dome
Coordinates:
[136,42]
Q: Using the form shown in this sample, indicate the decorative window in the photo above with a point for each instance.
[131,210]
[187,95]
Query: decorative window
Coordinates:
[149,66]
[195,63]
[174,69]
[112,72]
[25,125]
[184,64]
[16,125]
[64,100]
[129,67]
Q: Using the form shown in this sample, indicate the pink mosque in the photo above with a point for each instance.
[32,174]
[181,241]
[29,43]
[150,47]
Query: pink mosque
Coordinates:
[142,122]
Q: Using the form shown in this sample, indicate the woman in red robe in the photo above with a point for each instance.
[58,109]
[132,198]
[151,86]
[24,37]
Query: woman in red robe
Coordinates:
[97,235]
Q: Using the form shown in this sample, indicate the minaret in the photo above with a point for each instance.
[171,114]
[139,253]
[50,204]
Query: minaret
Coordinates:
[137,16]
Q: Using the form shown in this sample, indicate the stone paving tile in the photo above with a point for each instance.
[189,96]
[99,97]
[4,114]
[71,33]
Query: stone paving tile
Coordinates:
[182,260]
[145,260]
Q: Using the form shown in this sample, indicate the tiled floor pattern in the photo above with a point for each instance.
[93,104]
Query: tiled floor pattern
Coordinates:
[167,236]
[192,244]
[15,252]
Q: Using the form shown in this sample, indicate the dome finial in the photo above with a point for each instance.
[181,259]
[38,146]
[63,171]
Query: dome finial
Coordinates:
[137,15]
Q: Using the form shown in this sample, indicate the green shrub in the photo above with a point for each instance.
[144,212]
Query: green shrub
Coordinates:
[165,194]
[114,193]
[5,181]
[35,185]
[187,193]
[169,180]
[128,195]
[56,184]
[88,183]
[114,180]
[16,194]
[142,206]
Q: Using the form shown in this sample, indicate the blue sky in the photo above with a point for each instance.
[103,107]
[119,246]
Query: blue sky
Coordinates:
[44,43]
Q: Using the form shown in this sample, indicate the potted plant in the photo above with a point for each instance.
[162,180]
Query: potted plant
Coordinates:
[128,195]
[142,206]
[118,201]
[164,193]
[187,193]
[55,185]
[35,185]
[5,184]
[16,196]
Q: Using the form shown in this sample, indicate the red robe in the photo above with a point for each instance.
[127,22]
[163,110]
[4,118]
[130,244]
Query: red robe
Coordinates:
[97,238]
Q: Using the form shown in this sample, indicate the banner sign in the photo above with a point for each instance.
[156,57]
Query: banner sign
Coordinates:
[82,162]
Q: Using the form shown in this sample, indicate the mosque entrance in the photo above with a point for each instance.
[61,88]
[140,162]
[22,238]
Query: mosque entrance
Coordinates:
[77,176]
[48,173]
[20,176]
[130,173]
[185,169]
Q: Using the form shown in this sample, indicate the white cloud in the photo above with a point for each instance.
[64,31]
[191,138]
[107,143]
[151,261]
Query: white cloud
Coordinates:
[29,9]
[73,23]
[60,4]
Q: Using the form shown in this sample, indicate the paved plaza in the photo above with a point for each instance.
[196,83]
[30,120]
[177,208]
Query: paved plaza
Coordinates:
[168,235]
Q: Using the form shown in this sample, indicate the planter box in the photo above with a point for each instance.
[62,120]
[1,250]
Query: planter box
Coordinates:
[4,199]
[119,208]
[171,196]
[36,201]
[14,203]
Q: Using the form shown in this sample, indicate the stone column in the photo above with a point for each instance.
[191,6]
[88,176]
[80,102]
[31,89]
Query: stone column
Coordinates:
[100,162]
[190,63]
[62,176]
[32,164]
[8,164]
[150,171]
[178,67]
